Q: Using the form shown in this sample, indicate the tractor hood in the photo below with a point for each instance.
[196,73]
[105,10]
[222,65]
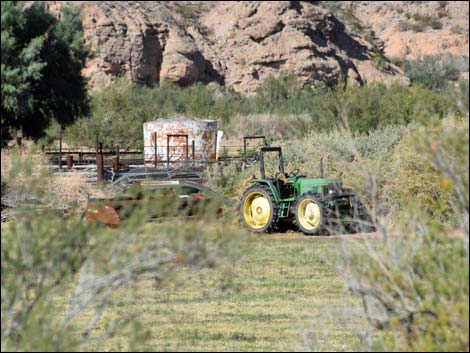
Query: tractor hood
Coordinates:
[317,185]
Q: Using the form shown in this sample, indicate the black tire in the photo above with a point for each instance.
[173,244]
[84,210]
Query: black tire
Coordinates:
[311,226]
[272,219]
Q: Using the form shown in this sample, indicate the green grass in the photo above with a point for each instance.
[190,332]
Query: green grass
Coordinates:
[286,295]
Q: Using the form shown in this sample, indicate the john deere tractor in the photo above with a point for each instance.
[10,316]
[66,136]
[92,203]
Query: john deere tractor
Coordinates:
[314,205]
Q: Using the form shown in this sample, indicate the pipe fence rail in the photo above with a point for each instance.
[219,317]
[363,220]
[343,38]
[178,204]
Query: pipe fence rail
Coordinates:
[170,160]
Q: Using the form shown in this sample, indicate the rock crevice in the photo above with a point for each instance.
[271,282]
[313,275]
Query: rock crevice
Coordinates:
[236,44]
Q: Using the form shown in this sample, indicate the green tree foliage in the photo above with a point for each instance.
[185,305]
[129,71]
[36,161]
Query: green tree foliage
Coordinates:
[279,107]
[119,110]
[275,91]
[41,64]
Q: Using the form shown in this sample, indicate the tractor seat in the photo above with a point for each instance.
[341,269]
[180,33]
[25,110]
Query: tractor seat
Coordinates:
[285,187]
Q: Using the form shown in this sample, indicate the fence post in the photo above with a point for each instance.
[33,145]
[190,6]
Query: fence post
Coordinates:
[60,150]
[118,154]
[167,152]
[187,150]
[99,162]
[115,163]
[155,150]
[69,162]
[115,160]
[99,168]
[194,152]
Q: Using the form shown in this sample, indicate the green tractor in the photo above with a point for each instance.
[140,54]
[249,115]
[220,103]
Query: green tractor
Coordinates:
[314,205]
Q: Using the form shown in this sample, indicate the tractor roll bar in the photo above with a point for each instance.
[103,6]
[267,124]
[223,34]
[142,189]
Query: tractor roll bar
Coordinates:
[261,159]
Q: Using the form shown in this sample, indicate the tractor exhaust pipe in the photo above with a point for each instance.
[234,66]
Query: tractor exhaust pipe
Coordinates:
[321,167]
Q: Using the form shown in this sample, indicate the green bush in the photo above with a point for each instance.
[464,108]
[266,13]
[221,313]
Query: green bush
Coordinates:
[413,282]
[275,91]
[398,155]
[223,178]
[376,105]
[279,107]
[413,278]
[458,94]
[411,179]
[434,72]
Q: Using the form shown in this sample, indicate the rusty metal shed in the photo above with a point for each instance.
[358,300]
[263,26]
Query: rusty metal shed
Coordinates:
[180,138]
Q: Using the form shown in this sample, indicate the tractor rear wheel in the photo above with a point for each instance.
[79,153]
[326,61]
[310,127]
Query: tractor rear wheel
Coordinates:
[310,215]
[258,210]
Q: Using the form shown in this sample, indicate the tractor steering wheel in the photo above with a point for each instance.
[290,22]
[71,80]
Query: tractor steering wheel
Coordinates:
[294,172]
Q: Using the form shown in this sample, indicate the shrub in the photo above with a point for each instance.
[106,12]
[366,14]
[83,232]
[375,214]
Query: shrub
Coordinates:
[279,107]
[223,178]
[459,93]
[422,22]
[376,105]
[413,279]
[398,155]
[46,257]
[457,29]
[411,179]
[434,72]
[275,91]
[270,125]
[413,282]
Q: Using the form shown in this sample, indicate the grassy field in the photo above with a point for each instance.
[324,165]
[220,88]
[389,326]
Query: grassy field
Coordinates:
[285,295]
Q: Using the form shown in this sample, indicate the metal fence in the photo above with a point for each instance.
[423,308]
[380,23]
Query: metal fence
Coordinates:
[168,161]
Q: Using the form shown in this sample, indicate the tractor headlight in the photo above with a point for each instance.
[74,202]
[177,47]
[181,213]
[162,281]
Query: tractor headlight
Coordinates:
[331,191]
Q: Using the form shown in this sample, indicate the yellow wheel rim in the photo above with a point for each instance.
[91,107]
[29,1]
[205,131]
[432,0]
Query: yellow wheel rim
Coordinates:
[309,214]
[256,210]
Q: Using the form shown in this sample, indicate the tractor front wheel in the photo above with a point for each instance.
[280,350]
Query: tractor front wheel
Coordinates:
[310,215]
[258,210]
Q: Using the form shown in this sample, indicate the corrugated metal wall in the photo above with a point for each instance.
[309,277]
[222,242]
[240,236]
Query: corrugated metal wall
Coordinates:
[202,134]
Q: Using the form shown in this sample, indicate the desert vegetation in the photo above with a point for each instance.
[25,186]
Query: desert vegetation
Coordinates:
[419,23]
[279,108]
[435,72]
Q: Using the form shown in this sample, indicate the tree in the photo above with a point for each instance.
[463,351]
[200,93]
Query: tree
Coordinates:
[41,63]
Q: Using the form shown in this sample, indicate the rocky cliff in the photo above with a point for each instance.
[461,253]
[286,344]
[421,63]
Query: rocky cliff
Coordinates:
[253,40]
[412,29]
[236,44]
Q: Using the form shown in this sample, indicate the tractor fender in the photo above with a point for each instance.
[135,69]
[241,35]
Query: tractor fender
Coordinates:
[272,187]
